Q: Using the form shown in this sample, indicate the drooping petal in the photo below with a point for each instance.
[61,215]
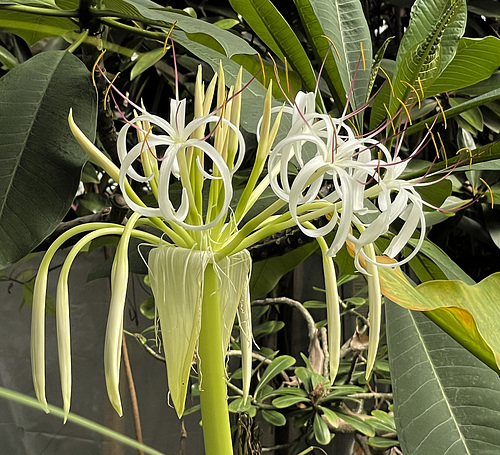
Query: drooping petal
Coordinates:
[114,327]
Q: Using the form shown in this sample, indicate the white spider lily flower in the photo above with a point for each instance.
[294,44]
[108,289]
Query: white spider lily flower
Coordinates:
[406,205]
[179,307]
[177,140]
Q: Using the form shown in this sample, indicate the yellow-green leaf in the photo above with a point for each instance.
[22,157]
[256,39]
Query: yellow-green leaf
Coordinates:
[466,312]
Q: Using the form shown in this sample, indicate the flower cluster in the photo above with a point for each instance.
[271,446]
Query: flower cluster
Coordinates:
[199,266]
[357,169]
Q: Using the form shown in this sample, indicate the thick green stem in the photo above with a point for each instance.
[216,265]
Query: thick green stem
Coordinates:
[213,389]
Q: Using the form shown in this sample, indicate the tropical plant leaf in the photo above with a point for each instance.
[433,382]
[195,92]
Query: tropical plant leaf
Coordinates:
[231,44]
[425,15]
[344,23]
[321,432]
[41,161]
[274,417]
[475,61]
[463,311]
[268,23]
[426,48]
[445,400]
[267,273]
[273,369]
[32,28]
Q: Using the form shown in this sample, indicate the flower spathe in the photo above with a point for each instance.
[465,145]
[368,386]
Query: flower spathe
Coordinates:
[177,280]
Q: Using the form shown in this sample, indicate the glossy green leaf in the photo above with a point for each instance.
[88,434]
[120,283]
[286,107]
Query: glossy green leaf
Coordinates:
[464,311]
[450,269]
[486,153]
[253,95]
[287,401]
[275,418]
[425,15]
[445,400]
[331,417]
[231,44]
[145,61]
[268,23]
[358,423]
[343,22]
[475,61]
[41,161]
[273,369]
[427,47]
[7,59]
[267,273]
[32,28]
[267,328]
[472,116]
[321,432]
[382,443]
[259,15]
[226,24]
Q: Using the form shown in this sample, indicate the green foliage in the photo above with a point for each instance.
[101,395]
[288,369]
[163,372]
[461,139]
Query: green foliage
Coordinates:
[42,161]
[447,402]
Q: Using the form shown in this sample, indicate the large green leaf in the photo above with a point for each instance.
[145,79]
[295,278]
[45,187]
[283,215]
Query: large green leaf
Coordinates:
[475,61]
[41,161]
[445,400]
[34,27]
[344,23]
[268,23]
[425,14]
[231,43]
[427,47]
[464,311]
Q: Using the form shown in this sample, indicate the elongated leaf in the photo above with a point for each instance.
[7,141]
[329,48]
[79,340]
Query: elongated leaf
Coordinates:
[425,14]
[321,431]
[251,11]
[450,269]
[273,369]
[343,22]
[475,61]
[274,417]
[268,23]
[41,161]
[32,28]
[445,400]
[454,111]
[231,44]
[462,310]
[267,273]
[426,49]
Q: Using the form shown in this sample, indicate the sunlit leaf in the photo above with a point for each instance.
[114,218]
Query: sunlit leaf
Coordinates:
[464,311]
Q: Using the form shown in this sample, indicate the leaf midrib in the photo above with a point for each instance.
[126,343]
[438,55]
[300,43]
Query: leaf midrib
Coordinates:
[441,388]
[25,142]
